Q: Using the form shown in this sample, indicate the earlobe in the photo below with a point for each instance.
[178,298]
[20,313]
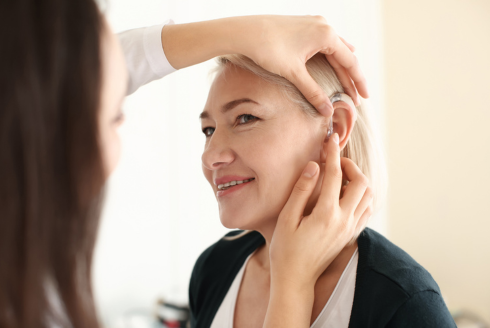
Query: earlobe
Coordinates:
[344,118]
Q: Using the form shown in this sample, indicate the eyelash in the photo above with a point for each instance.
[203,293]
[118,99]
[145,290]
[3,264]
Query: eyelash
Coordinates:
[253,118]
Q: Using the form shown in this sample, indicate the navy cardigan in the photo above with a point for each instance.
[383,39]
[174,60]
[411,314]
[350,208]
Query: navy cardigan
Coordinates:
[392,290]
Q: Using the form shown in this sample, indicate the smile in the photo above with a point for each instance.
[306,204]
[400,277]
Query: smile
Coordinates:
[230,184]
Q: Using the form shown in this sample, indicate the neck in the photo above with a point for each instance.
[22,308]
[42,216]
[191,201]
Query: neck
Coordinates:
[338,264]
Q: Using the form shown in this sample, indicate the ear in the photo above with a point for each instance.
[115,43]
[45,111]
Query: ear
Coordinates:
[344,118]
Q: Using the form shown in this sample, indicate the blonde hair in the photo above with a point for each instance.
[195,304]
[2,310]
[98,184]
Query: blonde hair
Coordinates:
[363,146]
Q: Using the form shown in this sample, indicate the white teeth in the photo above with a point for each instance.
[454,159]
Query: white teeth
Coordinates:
[232,183]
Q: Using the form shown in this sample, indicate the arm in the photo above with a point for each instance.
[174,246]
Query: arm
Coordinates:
[290,306]
[144,55]
[280,44]
[303,247]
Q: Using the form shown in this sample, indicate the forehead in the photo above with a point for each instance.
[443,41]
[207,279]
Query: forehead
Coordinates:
[232,83]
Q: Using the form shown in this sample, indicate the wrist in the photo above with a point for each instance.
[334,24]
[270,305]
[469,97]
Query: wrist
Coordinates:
[288,286]
[289,306]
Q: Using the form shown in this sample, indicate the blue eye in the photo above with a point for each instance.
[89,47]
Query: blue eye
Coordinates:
[246,118]
[208,132]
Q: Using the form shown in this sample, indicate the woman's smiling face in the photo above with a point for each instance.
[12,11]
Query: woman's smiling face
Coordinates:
[253,131]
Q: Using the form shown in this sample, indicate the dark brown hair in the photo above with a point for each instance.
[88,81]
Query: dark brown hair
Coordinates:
[51,172]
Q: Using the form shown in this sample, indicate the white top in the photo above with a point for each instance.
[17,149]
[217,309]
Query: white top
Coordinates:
[145,58]
[335,314]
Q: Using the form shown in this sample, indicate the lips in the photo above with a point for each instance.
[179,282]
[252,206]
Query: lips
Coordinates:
[231,189]
[230,178]
[233,183]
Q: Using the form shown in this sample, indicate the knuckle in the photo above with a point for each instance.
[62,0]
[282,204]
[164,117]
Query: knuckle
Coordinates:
[331,38]
[320,19]
[327,29]
[369,193]
[336,172]
[347,226]
[301,188]
[326,211]
[315,97]
[355,62]
[363,182]
[291,73]
[330,212]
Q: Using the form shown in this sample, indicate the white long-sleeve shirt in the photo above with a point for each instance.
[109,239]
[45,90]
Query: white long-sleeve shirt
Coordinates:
[145,57]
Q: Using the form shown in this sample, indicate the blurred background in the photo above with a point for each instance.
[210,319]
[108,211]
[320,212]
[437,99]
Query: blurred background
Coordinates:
[427,63]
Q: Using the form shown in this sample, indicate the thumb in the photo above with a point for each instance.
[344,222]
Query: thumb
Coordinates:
[292,212]
[311,90]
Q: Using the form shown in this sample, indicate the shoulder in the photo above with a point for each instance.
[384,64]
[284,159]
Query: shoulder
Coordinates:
[391,287]
[215,270]
[381,256]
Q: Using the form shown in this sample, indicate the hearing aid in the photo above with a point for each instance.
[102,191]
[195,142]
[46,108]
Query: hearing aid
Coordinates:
[336,97]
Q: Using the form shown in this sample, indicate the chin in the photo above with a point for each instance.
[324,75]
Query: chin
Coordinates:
[245,221]
[234,221]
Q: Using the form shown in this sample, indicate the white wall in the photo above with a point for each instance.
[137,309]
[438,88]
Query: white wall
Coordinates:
[160,213]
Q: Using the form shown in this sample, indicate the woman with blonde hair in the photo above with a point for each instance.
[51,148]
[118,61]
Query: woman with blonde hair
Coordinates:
[260,132]
[64,78]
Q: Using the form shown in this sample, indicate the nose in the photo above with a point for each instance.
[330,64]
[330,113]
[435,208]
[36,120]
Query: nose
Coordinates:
[217,152]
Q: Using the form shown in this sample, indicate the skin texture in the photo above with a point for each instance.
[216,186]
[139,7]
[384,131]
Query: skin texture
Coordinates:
[258,149]
[273,148]
[280,44]
[114,85]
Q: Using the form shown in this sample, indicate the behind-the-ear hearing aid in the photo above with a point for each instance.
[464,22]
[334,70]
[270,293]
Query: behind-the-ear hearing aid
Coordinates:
[333,99]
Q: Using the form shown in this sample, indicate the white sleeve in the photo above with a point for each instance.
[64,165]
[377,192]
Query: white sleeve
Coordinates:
[145,58]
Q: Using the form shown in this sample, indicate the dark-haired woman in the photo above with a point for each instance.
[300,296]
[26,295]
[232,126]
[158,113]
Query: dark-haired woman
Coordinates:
[63,78]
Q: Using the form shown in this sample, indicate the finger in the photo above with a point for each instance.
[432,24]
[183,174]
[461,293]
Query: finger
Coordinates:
[358,183]
[311,90]
[344,79]
[366,201]
[294,208]
[332,177]
[350,46]
[342,191]
[349,61]
[363,220]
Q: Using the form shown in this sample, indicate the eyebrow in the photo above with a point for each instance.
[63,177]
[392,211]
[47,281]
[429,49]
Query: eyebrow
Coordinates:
[229,106]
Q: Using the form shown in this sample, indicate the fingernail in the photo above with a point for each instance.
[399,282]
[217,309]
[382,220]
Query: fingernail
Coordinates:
[310,170]
[335,138]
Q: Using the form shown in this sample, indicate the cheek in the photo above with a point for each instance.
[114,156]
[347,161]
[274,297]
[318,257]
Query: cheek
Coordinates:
[285,162]
[278,158]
